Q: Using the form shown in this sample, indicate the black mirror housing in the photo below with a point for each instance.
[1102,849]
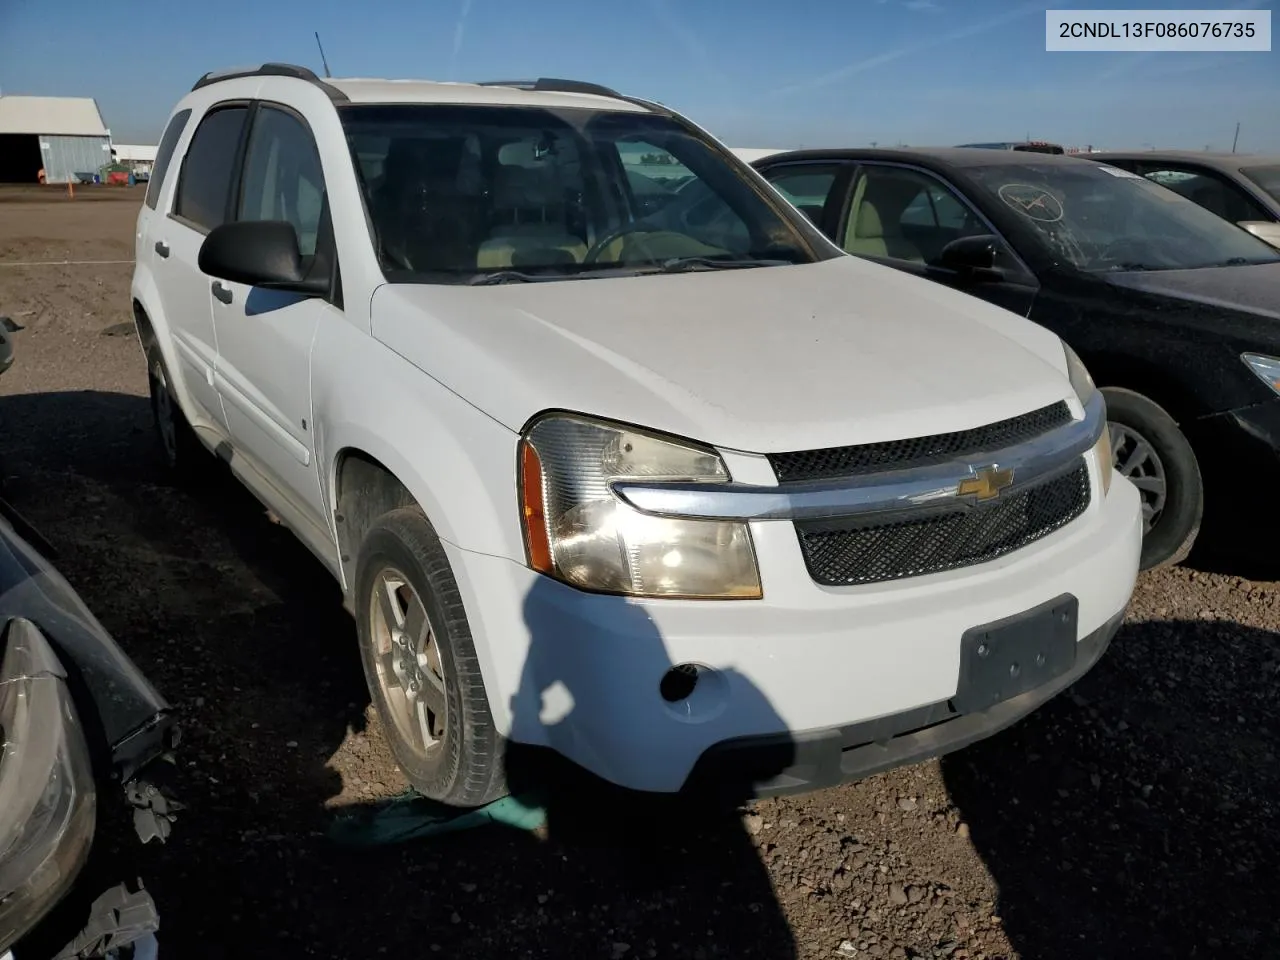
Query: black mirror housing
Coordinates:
[972,255]
[259,253]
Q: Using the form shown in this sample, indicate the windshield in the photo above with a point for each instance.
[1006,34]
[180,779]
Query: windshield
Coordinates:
[461,194]
[1267,178]
[1100,218]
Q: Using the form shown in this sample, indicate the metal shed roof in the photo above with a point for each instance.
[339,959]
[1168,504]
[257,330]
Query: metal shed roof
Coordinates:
[53,116]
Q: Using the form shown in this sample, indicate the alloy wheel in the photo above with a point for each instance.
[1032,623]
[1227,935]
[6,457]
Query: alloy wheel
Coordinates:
[1136,460]
[407,659]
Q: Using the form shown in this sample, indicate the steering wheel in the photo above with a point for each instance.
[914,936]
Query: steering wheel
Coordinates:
[598,247]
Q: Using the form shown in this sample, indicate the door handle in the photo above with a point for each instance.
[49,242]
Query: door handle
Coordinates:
[162,248]
[221,292]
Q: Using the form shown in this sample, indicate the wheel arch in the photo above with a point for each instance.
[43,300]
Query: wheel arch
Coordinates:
[1156,384]
[154,333]
[364,488]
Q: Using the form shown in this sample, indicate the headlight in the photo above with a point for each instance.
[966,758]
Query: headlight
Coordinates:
[577,531]
[1085,389]
[1267,368]
[1081,382]
[47,802]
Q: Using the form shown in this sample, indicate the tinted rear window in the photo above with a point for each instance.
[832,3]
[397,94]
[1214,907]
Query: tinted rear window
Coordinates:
[164,153]
[1268,178]
[204,188]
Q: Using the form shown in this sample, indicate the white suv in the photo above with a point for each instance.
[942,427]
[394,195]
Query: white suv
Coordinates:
[611,451]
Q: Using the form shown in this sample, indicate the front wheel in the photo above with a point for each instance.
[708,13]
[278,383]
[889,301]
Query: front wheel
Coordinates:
[420,663]
[1150,451]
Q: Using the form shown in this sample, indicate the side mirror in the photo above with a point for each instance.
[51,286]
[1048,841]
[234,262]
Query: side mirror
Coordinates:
[1263,230]
[973,257]
[260,253]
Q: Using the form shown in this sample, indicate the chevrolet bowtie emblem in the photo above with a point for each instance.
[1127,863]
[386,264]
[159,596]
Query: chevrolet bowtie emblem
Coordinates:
[986,484]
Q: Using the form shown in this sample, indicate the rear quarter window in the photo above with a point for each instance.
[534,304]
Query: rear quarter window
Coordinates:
[164,153]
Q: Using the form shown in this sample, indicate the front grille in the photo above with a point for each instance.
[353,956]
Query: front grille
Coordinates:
[918,451]
[846,552]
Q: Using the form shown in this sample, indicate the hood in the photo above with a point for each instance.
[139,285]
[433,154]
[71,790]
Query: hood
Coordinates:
[764,360]
[1253,289]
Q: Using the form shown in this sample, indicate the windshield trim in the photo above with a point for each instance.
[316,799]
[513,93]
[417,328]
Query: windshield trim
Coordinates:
[811,240]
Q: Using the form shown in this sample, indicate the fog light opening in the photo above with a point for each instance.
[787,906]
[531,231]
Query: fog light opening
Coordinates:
[679,682]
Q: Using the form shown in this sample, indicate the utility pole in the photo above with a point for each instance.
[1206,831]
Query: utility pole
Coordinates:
[322,56]
[1236,138]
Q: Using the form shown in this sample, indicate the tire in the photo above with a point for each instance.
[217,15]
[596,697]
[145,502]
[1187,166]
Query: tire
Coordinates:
[1149,450]
[443,736]
[180,449]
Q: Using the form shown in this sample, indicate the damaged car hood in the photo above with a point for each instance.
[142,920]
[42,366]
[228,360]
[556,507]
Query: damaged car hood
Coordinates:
[116,702]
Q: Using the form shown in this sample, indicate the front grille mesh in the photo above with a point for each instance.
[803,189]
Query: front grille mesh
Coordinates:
[901,454]
[849,552]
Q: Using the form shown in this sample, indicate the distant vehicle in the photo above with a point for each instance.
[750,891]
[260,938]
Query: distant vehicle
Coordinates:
[752,154]
[1024,146]
[1176,312]
[1242,188]
[653,484]
[80,727]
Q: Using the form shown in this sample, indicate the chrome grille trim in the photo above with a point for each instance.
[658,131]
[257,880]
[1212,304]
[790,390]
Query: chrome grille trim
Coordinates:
[935,485]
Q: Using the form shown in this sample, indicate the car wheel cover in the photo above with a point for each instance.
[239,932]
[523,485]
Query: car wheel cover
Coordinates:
[1135,458]
[407,663]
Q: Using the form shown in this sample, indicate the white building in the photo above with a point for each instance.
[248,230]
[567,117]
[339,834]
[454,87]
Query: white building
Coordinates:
[61,136]
[138,158]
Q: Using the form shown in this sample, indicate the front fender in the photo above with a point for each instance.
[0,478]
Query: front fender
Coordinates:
[457,462]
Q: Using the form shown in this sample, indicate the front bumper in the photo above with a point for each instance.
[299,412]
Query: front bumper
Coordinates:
[582,674]
[794,763]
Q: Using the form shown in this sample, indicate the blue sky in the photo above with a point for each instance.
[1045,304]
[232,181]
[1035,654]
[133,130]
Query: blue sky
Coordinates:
[769,74]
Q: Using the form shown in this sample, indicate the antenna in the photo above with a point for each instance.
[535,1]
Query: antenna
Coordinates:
[322,57]
[1235,139]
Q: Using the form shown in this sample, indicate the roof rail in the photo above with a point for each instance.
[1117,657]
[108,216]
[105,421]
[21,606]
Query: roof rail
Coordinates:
[271,70]
[553,85]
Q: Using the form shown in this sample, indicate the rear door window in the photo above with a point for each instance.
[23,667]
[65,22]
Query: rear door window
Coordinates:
[164,153]
[204,187]
[807,186]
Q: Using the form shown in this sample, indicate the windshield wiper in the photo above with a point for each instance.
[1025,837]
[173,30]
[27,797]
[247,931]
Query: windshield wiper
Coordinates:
[1134,267]
[503,276]
[1241,262]
[680,264]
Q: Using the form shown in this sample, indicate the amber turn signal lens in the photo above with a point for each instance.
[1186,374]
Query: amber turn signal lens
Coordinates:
[532,512]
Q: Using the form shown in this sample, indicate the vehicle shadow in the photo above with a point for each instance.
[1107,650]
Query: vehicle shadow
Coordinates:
[685,864]
[243,631]
[1117,827]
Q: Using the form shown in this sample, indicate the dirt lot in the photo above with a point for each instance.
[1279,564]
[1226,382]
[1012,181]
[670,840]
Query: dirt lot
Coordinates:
[1135,815]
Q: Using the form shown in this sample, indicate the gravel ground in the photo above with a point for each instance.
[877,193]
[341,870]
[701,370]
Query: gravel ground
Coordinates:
[1135,815]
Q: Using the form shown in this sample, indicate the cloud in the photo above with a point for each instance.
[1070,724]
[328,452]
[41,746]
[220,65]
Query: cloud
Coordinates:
[880,59]
[458,30]
[694,46]
[921,5]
